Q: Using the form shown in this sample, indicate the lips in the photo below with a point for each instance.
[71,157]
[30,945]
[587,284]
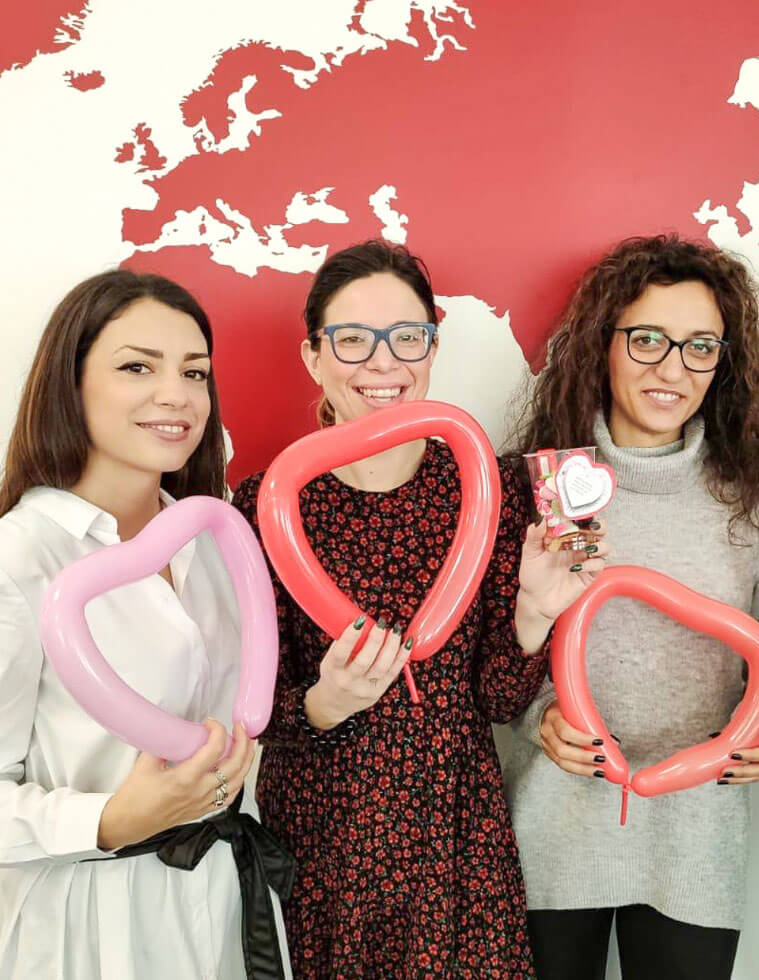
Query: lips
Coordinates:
[167,430]
[381,394]
[663,397]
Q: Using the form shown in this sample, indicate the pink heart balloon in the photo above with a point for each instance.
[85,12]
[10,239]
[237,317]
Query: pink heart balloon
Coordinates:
[735,628]
[88,677]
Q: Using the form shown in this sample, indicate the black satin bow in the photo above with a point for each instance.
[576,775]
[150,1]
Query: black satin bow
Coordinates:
[261,862]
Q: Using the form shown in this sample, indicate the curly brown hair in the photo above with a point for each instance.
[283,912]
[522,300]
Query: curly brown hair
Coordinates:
[574,383]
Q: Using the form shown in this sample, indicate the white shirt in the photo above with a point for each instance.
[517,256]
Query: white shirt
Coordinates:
[131,918]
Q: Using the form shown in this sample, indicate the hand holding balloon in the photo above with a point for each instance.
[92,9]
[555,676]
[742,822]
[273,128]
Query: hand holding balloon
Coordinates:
[743,767]
[155,797]
[550,581]
[348,684]
[570,749]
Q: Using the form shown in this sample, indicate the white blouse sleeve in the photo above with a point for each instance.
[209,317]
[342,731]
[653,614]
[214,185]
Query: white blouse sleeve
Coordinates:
[60,824]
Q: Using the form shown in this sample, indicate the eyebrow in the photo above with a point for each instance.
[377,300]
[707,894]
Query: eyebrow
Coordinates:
[149,352]
[695,333]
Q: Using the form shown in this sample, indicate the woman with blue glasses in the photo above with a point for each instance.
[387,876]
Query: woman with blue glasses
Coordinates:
[395,812]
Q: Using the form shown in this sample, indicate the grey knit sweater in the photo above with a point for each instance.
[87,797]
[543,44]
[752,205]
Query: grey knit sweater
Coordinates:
[660,688]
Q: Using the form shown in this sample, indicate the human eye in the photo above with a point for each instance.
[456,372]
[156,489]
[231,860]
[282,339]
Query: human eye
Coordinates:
[351,336]
[647,339]
[703,346]
[409,333]
[197,374]
[135,367]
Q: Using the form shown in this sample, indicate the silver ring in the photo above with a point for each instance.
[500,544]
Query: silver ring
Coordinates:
[221,796]
[221,778]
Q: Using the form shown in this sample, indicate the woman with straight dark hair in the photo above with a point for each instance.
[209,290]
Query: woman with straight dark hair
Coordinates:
[119,417]
[656,362]
[408,867]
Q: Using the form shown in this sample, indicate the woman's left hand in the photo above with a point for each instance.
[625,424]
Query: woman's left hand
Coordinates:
[745,769]
[550,581]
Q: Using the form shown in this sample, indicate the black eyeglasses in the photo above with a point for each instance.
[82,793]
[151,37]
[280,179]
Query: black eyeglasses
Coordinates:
[353,343]
[647,345]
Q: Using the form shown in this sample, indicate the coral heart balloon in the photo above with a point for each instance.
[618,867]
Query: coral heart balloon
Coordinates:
[461,573]
[88,677]
[692,766]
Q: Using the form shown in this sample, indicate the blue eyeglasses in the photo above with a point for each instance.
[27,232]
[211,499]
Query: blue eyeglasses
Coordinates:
[353,343]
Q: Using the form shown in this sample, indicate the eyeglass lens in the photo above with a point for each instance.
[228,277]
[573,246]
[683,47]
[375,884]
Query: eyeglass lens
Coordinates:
[650,347]
[408,342]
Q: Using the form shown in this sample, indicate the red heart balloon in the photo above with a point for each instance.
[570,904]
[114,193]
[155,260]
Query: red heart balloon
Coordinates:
[461,573]
[735,628]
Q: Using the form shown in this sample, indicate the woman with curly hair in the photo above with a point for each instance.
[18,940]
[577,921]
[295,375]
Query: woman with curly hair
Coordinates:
[656,362]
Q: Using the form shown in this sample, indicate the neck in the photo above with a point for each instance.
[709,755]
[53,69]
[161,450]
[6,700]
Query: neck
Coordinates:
[386,470]
[130,495]
[627,436]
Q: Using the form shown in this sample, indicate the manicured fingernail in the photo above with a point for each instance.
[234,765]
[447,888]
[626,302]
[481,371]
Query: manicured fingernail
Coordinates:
[599,758]
[600,773]
[397,629]
[615,738]
[737,756]
[722,782]
[728,775]
[597,741]
[409,643]
[359,622]
[594,526]
[591,549]
[714,734]
[576,568]
[382,623]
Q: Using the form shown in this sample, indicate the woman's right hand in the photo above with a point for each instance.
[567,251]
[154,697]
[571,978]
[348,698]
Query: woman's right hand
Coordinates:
[571,750]
[346,685]
[155,796]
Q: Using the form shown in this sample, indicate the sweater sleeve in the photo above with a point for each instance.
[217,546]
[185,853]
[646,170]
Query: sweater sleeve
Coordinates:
[35,823]
[285,726]
[505,678]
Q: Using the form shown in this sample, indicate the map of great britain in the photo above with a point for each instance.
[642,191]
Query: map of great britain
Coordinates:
[232,149]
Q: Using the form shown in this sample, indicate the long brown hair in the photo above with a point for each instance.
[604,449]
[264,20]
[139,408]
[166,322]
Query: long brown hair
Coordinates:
[49,443]
[358,262]
[574,384]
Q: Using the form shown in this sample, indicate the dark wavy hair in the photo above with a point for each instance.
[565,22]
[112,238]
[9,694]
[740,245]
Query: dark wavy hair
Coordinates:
[357,262]
[574,382]
[49,443]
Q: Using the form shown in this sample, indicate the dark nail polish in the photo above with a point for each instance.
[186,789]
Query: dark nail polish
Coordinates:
[594,526]
[409,643]
[722,782]
[737,756]
[576,568]
[600,773]
[591,549]
[599,758]
[359,622]
[728,775]
[597,741]
[397,629]
[714,734]
[615,738]
[382,623]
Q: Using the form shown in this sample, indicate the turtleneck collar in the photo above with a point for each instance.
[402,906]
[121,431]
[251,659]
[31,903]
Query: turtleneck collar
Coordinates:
[661,469]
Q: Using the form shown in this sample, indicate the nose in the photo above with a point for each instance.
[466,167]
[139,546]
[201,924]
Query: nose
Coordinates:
[383,358]
[671,369]
[170,390]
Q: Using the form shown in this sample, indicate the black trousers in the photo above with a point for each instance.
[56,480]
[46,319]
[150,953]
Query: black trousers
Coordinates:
[572,944]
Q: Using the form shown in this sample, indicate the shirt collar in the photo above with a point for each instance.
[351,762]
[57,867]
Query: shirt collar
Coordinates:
[79,518]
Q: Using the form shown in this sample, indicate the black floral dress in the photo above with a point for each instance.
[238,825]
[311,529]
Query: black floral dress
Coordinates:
[408,866]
